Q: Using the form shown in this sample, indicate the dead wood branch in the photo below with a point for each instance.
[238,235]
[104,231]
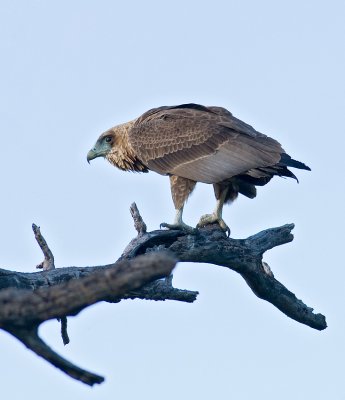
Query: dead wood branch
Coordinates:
[28,299]
[245,256]
[139,223]
[22,311]
[159,290]
[48,263]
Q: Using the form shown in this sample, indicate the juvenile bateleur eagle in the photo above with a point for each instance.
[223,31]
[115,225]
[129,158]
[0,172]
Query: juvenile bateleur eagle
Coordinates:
[192,143]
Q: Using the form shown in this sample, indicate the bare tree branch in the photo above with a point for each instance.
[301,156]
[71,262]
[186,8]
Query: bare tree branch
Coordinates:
[24,306]
[29,337]
[28,299]
[211,245]
[47,265]
[159,290]
[22,311]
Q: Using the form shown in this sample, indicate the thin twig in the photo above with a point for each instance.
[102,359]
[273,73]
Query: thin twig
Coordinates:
[48,263]
[64,333]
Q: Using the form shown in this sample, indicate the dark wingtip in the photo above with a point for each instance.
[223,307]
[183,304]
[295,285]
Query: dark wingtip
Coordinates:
[287,161]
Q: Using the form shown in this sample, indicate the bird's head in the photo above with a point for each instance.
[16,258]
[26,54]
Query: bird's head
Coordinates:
[114,146]
[103,146]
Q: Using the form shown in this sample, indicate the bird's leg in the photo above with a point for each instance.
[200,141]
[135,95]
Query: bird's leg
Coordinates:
[216,216]
[178,223]
[181,188]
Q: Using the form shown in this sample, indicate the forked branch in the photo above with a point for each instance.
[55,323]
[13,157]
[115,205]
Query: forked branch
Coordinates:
[28,299]
[245,256]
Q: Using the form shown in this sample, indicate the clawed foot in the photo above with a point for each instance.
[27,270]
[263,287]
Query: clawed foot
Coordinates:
[211,219]
[180,226]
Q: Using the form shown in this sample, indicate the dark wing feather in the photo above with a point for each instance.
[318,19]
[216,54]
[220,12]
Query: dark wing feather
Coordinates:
[200,143]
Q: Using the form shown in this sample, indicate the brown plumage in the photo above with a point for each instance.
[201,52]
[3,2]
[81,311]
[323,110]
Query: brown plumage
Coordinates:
[192,143]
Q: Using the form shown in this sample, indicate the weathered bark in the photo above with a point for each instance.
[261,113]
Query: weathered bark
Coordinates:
[28,299]
[22,311]
[159,290]
[211,245]
[48,263]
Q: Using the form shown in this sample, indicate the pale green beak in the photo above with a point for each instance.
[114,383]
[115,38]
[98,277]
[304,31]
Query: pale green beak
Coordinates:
[91,155]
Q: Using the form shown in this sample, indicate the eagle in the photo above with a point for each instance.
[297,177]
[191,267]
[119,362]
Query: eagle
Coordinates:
[192,143]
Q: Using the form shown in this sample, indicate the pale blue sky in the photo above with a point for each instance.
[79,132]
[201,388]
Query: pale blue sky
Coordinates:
[71,69]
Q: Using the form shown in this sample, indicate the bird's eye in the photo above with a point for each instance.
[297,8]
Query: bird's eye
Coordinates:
[108,139]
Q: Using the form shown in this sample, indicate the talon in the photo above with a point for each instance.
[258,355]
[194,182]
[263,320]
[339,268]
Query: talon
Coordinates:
[211,219]
[168,226]
[205,220]
[180,226]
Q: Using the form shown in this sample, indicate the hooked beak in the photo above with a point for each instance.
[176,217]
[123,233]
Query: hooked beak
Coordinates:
[91,155]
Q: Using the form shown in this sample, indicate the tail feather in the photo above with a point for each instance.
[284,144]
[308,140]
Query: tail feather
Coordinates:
[281,170]
[260,176]
[287,161]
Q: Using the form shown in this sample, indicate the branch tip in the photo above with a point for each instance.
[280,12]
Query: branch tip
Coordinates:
[30,338]
[139,223]
[48,263]
[64,333]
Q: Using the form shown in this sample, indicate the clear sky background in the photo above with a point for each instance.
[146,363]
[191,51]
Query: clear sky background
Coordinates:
[70,70]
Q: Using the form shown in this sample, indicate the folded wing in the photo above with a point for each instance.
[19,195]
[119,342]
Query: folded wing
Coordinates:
[205,144]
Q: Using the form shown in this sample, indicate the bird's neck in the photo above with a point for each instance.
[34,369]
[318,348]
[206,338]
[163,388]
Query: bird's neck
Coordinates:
[122,154]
